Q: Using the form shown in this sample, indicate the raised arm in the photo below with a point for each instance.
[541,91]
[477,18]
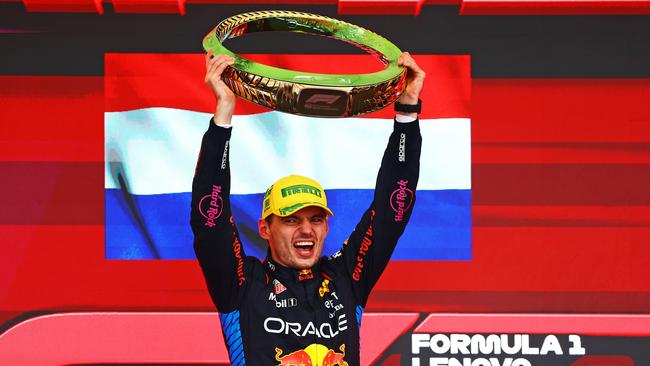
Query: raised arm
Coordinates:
[370,246]
[216,240]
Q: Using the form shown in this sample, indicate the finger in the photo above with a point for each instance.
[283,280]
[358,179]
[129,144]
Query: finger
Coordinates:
[402,59]
[415,68]
[411,64]
[225,58]
[418,70]
[213,73]
[220,69]
[407,60]
[217,59]
[210,62]
[217,68]
[210,74]
[214,63]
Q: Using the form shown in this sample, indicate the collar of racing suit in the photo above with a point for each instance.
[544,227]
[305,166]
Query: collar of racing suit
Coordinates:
[290,274]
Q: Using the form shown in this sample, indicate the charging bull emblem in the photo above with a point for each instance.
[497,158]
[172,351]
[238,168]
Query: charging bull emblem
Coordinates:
[313,355]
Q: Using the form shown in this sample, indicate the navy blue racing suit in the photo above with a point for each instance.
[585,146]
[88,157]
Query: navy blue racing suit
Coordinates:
[274,315]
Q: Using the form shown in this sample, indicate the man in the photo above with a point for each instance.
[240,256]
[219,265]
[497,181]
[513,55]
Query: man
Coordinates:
[296,307]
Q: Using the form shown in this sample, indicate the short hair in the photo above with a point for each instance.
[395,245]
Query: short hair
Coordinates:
[269,219]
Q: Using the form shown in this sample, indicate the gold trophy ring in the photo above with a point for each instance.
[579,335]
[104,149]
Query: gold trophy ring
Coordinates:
[303,93]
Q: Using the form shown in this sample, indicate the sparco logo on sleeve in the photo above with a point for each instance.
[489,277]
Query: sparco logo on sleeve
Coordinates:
[224,158]
[402,147]
[211,206]
[401,199]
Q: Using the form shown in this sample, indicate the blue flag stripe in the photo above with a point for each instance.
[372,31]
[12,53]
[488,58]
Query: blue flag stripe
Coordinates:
[440,226]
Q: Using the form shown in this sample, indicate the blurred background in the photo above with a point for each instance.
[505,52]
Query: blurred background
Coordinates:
[550,226]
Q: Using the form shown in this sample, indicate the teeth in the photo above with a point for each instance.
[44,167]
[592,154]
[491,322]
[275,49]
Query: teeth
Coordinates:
[304,244]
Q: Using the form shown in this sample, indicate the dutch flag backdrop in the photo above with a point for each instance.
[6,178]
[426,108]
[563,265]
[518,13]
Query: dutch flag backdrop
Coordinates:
[157,109]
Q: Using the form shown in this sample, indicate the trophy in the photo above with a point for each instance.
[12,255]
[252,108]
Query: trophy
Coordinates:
[303,93]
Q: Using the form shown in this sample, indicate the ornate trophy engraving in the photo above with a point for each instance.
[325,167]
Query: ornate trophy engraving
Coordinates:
[303,93]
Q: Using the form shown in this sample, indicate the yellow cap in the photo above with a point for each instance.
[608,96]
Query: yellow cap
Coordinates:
[292,193]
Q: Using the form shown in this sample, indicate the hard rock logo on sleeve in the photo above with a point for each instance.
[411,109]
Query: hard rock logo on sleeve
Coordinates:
[211,206]
[401,199]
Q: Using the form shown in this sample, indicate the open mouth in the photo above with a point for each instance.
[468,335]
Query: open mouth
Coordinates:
[304,248]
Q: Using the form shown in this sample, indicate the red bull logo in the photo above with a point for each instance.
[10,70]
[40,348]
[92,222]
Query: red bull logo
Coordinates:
[305,274]
[313,355]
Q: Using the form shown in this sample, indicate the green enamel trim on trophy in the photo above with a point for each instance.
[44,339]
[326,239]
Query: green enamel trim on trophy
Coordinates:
[304,93]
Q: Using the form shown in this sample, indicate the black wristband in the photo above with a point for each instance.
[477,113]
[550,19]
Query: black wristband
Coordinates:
[409,108]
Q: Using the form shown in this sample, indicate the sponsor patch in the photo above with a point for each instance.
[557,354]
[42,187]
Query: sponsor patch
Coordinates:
[314,354]
[278,287]
[211,206]
[283,303]
[402,147]
[305,274]
[401,200]
[275,325]
[324,287]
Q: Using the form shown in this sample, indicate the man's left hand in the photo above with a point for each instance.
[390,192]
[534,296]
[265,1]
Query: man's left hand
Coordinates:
[414,79]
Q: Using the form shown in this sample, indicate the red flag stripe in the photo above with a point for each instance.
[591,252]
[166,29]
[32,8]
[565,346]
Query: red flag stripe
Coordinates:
[136,81]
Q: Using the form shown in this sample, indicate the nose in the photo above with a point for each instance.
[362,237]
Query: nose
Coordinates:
[305,227]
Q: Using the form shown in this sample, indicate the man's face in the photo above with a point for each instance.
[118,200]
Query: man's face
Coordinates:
[296,241]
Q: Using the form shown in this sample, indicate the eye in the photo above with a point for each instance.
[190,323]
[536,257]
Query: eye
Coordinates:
[289,220]
[318,219]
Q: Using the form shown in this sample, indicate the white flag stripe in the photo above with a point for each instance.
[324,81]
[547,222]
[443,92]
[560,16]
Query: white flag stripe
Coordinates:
[157,150]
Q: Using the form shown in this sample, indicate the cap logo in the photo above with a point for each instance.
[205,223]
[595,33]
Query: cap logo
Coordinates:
[287,210]
[268,191]
[301,188]
[292,193]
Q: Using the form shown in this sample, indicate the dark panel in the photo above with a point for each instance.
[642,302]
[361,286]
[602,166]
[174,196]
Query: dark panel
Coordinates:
[501,46]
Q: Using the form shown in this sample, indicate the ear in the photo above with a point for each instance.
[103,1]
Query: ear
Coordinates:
[327,221]
[327,224]
[263,229]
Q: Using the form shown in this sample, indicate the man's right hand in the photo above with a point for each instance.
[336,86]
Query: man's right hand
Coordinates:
[226,99]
